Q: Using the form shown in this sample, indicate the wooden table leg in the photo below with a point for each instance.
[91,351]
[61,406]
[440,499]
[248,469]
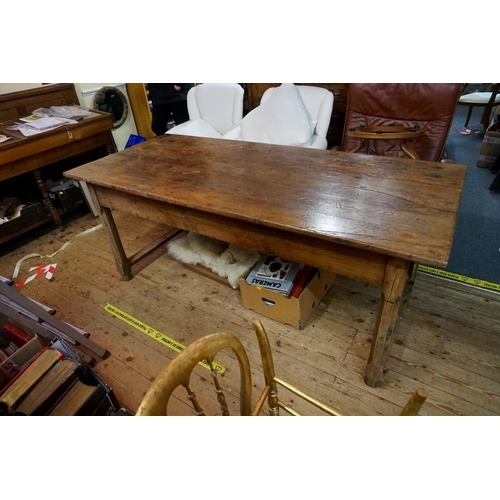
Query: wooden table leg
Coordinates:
[92,204]
[122,262]
[46,197]
[393,296]
[408,289]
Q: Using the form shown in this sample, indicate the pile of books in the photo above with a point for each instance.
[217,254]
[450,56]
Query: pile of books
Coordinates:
[40,374]
[283,276]
[47,378]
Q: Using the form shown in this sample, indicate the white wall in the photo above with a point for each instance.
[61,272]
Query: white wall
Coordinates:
[120,134]
[86,93]
[5,88]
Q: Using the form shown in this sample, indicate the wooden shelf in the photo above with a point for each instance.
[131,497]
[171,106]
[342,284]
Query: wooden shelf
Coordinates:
[25,229]
[38,223]
[63,147]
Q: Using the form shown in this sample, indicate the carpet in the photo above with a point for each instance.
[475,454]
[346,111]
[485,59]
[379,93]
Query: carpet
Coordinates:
[475,251]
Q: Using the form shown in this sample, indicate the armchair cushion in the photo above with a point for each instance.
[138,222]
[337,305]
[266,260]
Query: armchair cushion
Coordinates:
[234,134]
[197,128]
[281,119]
[219,104]
[430,106]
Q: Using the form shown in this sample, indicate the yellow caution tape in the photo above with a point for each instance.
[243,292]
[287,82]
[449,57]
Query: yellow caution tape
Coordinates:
[458,277]
[155,334]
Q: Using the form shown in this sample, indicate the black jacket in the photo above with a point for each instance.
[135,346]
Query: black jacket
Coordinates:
[164,93]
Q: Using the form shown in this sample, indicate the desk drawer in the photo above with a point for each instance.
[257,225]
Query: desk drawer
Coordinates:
[56,138]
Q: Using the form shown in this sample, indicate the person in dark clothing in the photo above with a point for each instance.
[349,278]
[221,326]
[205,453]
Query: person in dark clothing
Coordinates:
[169,103]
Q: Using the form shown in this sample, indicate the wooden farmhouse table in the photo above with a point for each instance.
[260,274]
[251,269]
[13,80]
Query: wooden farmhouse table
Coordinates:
[370,218]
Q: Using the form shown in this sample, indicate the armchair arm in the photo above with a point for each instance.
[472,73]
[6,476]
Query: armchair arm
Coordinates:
[318,142]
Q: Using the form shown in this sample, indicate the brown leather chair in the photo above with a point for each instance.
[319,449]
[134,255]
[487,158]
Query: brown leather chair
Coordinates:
[428,106]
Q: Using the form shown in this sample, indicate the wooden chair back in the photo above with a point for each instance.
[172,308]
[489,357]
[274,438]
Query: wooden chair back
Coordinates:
[482,98]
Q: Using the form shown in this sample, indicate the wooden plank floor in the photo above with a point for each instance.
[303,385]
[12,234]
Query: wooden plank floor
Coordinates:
[447,343]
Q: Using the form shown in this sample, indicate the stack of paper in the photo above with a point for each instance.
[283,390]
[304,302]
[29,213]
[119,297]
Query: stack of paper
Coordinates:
[43,123]
[36,124]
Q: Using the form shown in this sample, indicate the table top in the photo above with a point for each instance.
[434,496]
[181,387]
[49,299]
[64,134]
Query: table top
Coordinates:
[393,206]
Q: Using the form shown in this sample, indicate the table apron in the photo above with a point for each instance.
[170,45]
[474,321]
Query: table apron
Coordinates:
[362,265]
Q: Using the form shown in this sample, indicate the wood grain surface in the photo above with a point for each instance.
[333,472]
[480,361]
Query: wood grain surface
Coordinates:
[398,207]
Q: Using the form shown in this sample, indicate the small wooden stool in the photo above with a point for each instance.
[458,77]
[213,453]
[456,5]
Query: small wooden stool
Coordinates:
[387,132]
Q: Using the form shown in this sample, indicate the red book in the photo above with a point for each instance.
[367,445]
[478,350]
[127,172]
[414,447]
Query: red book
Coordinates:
[18,336]
[300,281]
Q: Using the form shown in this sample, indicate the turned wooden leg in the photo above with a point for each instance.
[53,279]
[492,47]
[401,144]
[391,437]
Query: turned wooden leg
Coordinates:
[469,113]
[409,151]
[395,281]
[408,289]
[46,197]
[122,262]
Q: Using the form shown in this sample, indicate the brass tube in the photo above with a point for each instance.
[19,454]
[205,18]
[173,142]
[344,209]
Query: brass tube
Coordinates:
[415,403]
[310,399]
[289,409]
[260,402]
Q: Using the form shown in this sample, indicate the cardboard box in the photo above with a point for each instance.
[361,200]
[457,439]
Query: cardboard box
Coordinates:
[291,311]
[490,149]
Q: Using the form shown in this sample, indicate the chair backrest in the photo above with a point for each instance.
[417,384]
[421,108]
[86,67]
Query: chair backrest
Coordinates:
[219,104]
[178,372]
[318,102]
[482,98]
[430,106]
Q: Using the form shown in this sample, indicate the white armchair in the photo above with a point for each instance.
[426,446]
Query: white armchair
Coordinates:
[285,121]
[215,109]
[319,104]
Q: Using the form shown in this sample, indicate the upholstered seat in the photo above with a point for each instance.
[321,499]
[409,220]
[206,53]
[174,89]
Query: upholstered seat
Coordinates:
[487,100]
[215,109]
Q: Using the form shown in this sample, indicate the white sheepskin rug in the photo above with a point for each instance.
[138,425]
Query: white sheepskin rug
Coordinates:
[225,260]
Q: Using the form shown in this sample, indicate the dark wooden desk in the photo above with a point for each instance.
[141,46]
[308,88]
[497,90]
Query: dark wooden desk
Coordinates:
[365,217]
[29,154]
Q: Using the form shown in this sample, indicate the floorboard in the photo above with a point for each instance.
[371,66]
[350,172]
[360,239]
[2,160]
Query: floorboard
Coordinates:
[448,341]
